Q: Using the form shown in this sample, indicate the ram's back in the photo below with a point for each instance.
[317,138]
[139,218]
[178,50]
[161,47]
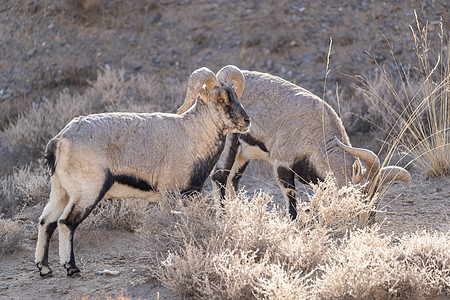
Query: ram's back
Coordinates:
[283,112]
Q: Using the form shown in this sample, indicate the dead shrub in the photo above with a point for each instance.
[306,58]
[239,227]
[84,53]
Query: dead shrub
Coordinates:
[370,266]
[426,257]
[11,236]
[230,255]
[26,186]
[336,209]
[127,214]
[246,250]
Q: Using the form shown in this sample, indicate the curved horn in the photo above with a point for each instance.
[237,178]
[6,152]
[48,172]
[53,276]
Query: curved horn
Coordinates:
[391,173]
[370,158]
[232,73]
[196,80]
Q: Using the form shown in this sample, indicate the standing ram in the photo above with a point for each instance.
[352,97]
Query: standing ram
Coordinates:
[301,136]
[137,155]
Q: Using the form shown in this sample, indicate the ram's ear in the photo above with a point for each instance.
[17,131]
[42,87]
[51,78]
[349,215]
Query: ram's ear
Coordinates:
[204,94]
[357,172]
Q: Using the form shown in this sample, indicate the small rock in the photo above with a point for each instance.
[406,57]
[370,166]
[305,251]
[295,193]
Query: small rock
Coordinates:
[31,52]
[154,19]
[107,273]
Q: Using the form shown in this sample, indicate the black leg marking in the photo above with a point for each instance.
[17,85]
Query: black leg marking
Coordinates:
[75,217]
[71,267]
[238,176]
[292,205]
[305,171]
[48,234]
[286,178]
[253,142]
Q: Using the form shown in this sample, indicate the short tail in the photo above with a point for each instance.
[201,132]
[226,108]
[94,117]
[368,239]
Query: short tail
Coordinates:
[50,156]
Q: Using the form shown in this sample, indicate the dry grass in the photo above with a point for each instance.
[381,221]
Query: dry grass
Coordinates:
[412,110]
[249,252]
[127,214]
[225,257]
[368,265]
[11,236]
[26,186]
[337,209]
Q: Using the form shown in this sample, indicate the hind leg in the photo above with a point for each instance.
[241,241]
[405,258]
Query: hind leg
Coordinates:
[79,207]
[285,179]
[47,225]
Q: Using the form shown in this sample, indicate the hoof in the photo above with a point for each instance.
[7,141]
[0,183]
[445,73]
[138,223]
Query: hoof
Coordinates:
[44,271]
[73,271]
[48,275]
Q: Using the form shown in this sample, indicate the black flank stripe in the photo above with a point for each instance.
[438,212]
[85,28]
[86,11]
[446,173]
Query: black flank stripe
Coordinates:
[133,182]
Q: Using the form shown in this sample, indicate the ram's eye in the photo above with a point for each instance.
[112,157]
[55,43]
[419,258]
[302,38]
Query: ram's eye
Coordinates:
[220,101]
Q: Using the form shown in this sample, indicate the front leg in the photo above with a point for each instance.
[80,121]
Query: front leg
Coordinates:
[223,167]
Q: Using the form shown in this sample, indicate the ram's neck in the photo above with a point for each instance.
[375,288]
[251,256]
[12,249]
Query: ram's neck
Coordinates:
[203,122]
[209,140]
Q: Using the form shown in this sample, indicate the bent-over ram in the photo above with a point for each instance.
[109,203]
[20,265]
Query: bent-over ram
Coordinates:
[301,136]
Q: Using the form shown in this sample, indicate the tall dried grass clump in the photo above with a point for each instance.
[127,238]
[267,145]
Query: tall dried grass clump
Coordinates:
[206,256]
[11,236]
[246,250]
[26,186]
[412,111]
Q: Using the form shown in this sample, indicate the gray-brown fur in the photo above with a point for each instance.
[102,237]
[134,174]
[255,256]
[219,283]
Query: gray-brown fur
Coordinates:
[296,131]
[135,155]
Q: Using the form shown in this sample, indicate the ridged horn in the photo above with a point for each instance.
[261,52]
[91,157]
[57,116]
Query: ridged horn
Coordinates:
[198,78]
[392,173]
[370,158]
[232,73]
